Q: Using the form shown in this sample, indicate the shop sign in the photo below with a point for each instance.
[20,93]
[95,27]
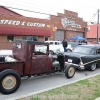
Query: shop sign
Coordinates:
[65,22]
[71,29]
[22,23]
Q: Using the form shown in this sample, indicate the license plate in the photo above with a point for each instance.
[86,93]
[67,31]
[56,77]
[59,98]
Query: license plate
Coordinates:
[70,60]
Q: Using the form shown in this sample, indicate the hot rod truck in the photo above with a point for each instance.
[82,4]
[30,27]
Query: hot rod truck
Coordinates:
[29,58]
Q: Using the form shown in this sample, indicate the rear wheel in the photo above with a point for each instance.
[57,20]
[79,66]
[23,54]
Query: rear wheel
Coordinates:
[9,81]
[69,71]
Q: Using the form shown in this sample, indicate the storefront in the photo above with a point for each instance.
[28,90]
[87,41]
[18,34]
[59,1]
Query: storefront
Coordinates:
[15,26]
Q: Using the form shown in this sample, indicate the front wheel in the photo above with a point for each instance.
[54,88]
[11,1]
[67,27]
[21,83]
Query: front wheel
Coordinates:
[93,67]
[9,81]
[69,71]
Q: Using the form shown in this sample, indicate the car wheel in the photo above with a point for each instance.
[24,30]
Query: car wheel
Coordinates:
[51,52]
[9,81]
[68,50]
[69,71]
[92,67]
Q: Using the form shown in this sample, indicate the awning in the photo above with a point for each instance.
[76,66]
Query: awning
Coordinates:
[23,31]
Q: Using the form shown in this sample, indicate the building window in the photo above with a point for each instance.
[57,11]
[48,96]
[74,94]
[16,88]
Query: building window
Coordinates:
[31,38]
[10,38]
[35,38]
[46,38]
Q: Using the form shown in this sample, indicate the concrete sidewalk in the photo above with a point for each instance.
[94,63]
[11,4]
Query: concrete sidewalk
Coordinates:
[97,98]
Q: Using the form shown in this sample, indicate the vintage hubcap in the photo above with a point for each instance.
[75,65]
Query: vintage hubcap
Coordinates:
[93,66]
[9,82]
[71,71]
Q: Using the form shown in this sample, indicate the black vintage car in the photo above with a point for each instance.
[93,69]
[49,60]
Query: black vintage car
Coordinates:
[84,57]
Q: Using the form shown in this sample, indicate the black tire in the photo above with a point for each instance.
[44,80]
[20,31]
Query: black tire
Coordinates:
[69,71]
[93,67]
[10,81]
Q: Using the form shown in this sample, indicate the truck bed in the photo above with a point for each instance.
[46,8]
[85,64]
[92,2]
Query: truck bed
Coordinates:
[15,65]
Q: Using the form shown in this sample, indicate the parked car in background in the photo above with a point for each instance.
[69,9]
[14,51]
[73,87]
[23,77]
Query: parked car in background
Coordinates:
[73,45]
[55,47]
[84,57]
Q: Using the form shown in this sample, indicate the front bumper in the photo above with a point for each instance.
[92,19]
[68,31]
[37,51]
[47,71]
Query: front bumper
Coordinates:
[76,66]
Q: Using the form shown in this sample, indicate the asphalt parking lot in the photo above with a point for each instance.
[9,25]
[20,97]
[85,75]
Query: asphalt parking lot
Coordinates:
[39,84]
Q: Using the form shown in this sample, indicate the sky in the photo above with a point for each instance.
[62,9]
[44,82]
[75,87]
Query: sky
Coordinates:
[86,9]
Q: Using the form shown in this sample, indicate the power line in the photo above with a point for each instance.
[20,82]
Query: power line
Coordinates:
[92,18]
[31,7]
[26,10]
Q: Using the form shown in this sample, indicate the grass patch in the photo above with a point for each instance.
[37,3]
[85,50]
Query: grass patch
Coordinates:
[87,89]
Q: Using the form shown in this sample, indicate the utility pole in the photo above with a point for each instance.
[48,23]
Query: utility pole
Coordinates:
[98,27]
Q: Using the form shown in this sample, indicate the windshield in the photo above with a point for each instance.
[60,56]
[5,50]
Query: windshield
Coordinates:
[84,50]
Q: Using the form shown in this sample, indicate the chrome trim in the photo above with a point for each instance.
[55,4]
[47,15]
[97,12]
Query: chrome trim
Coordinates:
[91,62]
[81,67]
[72,63]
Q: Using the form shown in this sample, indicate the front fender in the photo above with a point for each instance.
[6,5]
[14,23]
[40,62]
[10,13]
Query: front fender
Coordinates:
[75,65]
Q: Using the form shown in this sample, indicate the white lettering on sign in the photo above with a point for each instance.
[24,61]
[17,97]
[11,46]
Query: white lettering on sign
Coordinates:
[66,22]
[35,24]
[23,23]
[15,22]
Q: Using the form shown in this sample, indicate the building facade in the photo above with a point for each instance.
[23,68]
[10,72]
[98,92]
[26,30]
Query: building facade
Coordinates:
[15,26]
[93,33]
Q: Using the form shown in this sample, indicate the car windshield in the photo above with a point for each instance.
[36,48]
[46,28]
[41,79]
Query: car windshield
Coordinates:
[84,50]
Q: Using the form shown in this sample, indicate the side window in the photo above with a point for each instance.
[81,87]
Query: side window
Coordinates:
[40,50]
[51,43]
[98,51]
[46,38]
[92,51]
